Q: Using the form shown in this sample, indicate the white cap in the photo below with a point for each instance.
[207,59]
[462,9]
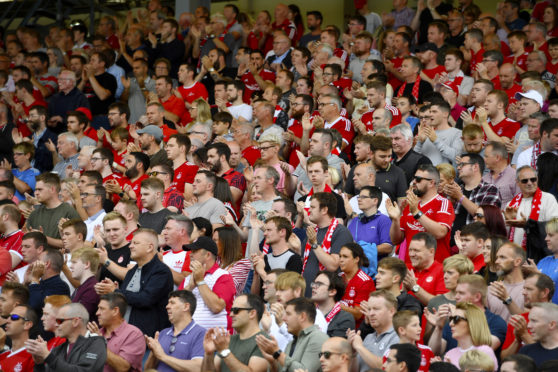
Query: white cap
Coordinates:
[531,94]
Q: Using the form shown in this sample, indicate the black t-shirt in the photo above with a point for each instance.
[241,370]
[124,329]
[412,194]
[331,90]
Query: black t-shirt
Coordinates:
[460,218]
[155,221]
[98,106]
[120,256]
[539,353]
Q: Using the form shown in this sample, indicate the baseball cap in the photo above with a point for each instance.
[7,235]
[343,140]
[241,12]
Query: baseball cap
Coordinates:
[531,94]
[451,85]
[86,112]
[359,4]
[426,47]
[203,242]
[152,130]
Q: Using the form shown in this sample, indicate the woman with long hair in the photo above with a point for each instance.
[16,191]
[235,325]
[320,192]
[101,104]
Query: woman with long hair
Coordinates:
[296,18]
[231,257]
[489,249]
[223,192]
[200,111]
[550,20]
[492,217]
[359,285]
[470,329]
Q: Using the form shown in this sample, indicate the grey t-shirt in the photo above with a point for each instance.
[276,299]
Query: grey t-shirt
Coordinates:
[155,221]
[340,237]
[212,209]
[447,146]
[243,350]
[377,345]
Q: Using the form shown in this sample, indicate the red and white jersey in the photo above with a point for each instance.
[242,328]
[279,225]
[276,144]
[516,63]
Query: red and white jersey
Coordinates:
[184,174]
[366,118]
[177,261]
[438,209]
[12,242]
[426,354]
[505,128]
[520,61]
[341,53]
[358,289]
[278,110]
[250,84]
[343,126]
[193,92]
[16,361]
[287,26]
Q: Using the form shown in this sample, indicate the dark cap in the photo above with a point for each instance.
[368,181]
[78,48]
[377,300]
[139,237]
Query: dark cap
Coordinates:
[426,47]
[203,242]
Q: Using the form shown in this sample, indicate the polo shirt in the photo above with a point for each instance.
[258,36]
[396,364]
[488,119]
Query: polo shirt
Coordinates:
[128,342]
[188,344]
[410,162]
[377,345]
[392,181]
[430,279]
[371,229]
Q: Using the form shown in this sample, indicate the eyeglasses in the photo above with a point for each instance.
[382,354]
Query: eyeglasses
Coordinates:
[155,173]
[317,284]
[364,197]
[236,310]
[172,347]
[456,319]
[59,321]
[324,104]
[95,159]
[479,215]
[460,165]
[197,132]
[327,354]
[526,180]
[263,148]
[418,179]
[15,317]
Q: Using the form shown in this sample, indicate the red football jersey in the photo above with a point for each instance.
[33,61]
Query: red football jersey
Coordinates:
[250,84]
[506,127]
[16,361]
[430,279]
[438,209]
[185,173]
[251,154]
[190,94]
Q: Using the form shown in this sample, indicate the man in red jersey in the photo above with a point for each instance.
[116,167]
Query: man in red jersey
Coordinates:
[257,77]
[137,164]
[282,21]
[425,276]
[330,107]
[376,97]
[243,135]
[493,118]
[428,54]
[177,148]
[101,161]
[11,235]
[190,90]
[174,106]
[426,211]
[20,322]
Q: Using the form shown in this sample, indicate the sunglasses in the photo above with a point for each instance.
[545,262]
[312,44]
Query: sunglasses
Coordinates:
[418,179]
[326,354]
[236,310]
[155,173]
[59,321]
[456,319]
[16,317]
[526,180]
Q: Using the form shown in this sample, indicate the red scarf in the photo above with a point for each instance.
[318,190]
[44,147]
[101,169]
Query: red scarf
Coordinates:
[308,197]
[415,91]
[265,248]
[336,309]
[535,154]
[326,244]
[535,211]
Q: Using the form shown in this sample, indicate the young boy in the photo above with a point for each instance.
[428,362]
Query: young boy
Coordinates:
[406,104]
[222,122]
[518,58]
[552,65]
[119,142]
[407,325]
[470,242]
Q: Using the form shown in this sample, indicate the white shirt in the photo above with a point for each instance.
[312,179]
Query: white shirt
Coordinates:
[243,110]
[92,222]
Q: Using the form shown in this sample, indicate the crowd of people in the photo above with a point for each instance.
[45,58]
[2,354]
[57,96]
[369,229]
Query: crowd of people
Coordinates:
[212,192]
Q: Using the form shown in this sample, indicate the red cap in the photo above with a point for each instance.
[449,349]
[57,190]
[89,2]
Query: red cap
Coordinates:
[86,111]
[360,3]
[451,85]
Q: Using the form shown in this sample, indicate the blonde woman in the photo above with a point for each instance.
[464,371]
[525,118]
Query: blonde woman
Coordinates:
[200,111]
[447,175]
[470,329]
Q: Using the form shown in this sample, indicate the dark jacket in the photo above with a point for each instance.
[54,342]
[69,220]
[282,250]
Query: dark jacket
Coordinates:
[43,157]
[87,355]
[148,311]
[47,287]
[61,104]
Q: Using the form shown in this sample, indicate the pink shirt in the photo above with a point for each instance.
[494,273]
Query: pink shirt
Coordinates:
[126,341]
[454,354]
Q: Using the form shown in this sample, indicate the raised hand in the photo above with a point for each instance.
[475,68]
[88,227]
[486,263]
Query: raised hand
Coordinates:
[393,210]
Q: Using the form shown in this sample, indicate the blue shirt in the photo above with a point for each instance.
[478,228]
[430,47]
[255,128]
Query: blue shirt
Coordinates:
[374,229]
[549,266]
[27,176]
[188,344]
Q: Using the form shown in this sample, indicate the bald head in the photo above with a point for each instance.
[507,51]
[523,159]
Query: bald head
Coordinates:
[507,75]
[338,345]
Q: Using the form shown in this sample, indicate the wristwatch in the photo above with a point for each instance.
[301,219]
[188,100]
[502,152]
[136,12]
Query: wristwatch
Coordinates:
[507,301]
[277,354]
[418,215]
[225,353]
[315,246]
[107,263]
[415,288]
